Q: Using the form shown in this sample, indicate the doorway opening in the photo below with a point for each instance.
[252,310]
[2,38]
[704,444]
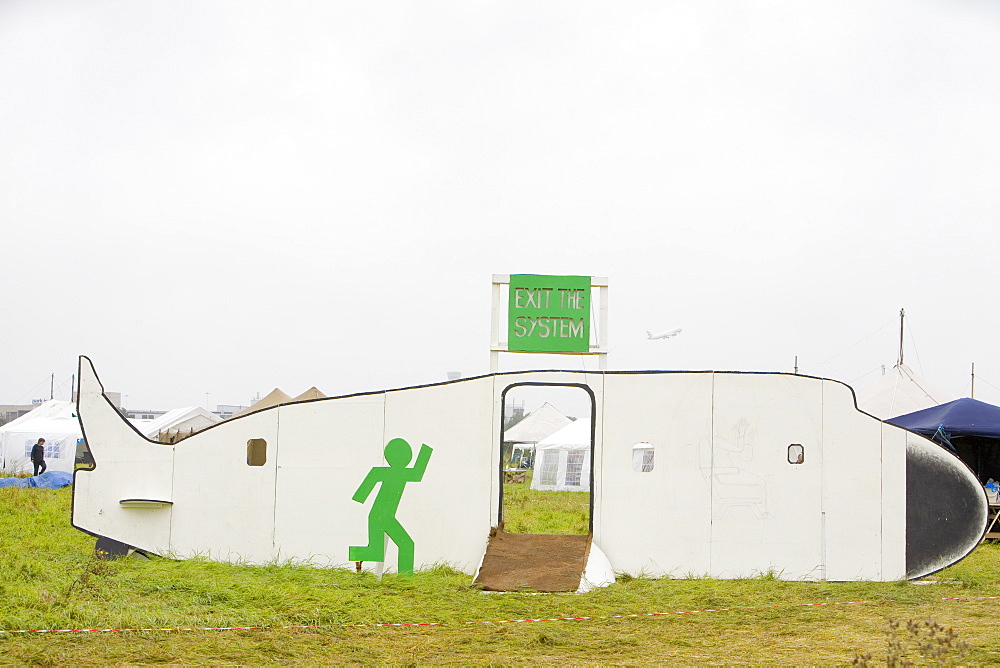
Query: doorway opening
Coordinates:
[546,459]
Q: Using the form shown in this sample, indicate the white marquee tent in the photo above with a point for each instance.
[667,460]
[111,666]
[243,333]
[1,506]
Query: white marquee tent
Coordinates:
[55,421]
[562,462]
[899,392]
[178,423]
[541,422]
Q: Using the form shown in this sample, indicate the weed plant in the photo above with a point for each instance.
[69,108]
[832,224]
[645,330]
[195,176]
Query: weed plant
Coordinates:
[921,642]
[49,579]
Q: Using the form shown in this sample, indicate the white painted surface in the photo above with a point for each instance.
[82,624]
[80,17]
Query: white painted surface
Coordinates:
[318,472]
[766,513]
[223,508]
[657,522]
[852,489]
[448,513]
[598,571]
[893,505]
[128,467]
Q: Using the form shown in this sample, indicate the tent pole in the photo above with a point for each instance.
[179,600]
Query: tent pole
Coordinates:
[972,392]
[902,314]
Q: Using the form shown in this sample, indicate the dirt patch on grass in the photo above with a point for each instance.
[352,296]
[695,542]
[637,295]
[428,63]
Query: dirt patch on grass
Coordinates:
[535,562]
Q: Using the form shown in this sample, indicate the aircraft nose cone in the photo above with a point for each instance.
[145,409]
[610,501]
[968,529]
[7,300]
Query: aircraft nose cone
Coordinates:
[946,508]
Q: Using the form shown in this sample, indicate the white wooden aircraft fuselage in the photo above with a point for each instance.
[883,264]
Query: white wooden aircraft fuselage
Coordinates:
[753,473]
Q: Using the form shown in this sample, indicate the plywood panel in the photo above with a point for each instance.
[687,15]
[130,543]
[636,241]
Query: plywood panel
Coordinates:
[223,508]
[447,513]
[327,449]
[657,522]
[893,502]
[766,512]
[852,487]
[128,466]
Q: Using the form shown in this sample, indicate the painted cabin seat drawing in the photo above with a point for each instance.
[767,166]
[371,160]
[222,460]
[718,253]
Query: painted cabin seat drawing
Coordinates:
[754,473]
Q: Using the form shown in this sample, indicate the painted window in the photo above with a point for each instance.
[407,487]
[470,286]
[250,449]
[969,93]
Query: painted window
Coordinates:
[642,457]
[256,452]
[574,468]
[550,466]
[796,454]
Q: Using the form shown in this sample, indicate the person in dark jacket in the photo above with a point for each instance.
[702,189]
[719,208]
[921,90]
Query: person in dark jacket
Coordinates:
[38,456]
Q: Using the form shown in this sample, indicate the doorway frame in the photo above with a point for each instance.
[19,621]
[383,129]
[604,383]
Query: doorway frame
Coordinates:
[593,438]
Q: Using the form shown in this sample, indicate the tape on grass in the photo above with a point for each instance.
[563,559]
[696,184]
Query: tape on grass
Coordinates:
[494,621]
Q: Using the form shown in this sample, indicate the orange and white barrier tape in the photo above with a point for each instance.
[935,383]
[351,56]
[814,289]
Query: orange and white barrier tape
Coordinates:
[495,621]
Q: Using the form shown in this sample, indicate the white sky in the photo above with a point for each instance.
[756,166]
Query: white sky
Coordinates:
[225,197]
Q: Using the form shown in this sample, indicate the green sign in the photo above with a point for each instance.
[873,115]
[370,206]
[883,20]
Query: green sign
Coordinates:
[548,314]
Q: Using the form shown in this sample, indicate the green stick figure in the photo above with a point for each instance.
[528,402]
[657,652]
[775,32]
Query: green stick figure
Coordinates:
[382,517]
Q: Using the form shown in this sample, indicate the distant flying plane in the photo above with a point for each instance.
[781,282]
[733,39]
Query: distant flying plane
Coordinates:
[663,335]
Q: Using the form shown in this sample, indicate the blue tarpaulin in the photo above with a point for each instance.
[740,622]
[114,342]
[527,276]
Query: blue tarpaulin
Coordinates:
[47,480]
[962,417]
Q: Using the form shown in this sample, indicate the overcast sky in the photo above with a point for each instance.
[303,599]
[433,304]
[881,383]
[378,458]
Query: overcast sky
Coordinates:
[212,199]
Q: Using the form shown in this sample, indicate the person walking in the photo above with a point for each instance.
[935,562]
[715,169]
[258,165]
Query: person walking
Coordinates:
[38,456]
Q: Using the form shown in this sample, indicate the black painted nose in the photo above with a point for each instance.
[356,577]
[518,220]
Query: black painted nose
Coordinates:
[946,508]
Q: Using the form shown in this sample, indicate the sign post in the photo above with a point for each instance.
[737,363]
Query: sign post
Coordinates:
[549,314]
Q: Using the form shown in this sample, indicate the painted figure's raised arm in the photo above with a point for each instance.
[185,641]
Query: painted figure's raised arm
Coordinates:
[419,466]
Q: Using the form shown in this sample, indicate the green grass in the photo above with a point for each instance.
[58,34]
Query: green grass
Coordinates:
[49,579]
[527,510]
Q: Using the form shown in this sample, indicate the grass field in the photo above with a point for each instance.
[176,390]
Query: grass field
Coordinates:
[529,511]
[49,580]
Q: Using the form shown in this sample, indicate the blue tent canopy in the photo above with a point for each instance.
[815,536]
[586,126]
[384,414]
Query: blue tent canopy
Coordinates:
[969,428]
[962,417]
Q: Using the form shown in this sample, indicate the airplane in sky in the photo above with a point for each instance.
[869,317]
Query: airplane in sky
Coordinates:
[663,335]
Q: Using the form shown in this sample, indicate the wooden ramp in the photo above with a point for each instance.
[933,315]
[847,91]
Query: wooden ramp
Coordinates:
[533,562]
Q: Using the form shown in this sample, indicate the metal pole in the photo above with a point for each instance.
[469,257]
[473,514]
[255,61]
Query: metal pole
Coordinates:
[902,314]
[972,393]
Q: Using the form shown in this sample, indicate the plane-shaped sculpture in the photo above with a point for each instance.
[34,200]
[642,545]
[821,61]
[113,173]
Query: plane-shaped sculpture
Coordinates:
[748,473]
